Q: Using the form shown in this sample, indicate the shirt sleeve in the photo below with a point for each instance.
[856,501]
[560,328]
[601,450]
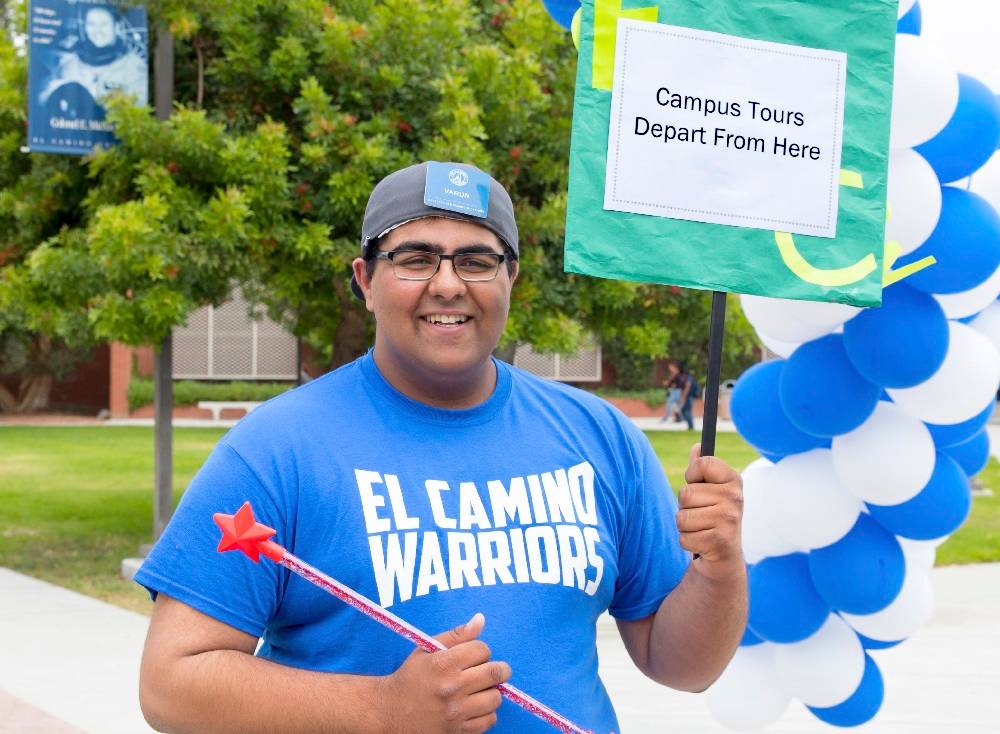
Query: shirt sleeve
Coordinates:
[651,560]
[186,565]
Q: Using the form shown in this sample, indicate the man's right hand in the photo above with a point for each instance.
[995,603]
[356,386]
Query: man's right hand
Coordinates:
[451,690]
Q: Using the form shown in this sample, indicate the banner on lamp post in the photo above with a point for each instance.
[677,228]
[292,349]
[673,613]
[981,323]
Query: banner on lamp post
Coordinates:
[79,51]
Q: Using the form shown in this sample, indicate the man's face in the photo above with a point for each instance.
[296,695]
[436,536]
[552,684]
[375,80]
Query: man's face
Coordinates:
[99,27]
[430,330]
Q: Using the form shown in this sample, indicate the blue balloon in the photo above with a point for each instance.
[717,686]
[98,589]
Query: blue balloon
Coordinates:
[562,11]
[900,344]
[821,392]
[784,604]
[869,644]
[955,433]
[863,704]
[749,638]
[971,136]
[965,243]
[938,510]
[756,411]
[912,22]
[973,455]
[862,572]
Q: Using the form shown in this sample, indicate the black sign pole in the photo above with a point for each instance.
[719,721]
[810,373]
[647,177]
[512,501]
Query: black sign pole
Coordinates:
[163,396]
[717,332]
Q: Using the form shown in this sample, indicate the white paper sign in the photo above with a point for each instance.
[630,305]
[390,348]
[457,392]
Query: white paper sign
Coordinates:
[727,130]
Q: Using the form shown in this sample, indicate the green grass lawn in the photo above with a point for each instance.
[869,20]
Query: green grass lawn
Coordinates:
[75,501]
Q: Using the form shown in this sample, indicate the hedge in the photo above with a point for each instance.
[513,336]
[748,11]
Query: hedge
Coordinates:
[189,392]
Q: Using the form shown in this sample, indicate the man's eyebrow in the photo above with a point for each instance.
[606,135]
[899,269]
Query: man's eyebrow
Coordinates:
[418,245]
[475,247]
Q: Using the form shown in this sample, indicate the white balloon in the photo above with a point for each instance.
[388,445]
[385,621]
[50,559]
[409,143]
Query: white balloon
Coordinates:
[962,387]
[810,509]
[924,93]
[823,313]
[987,323]
[749,694]
[974,300]
[986,181]
[888,459]
[759,536]
[759,463]
[936,542]
[904,7]
[825,669]
[750,558]
[914,200]
[908,612]
[775,317]
[920,553]
[782,349]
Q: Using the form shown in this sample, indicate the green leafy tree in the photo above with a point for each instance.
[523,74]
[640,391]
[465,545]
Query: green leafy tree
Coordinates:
[683,320]
[40,196]
[287,113]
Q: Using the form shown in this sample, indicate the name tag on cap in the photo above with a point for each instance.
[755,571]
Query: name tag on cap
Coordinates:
[457,188]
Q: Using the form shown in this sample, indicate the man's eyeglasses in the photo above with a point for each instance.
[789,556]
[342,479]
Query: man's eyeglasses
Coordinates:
[472,267]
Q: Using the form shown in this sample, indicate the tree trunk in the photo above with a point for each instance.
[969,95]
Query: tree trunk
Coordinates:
[8,403]
[34,394]
[351,340]
[506,352]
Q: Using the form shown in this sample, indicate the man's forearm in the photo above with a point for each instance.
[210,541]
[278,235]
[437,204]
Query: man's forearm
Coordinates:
[221,691]
[697,629]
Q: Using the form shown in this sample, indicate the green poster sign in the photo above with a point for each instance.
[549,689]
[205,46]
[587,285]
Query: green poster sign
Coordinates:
[846,268]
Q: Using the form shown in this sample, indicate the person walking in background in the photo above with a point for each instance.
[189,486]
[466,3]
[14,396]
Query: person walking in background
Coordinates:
[688,386]
[671,409]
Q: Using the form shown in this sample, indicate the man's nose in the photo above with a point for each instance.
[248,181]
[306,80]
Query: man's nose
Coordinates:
[446,283]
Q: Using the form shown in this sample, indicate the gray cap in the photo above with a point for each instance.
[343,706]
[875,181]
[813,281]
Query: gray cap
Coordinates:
[399,198]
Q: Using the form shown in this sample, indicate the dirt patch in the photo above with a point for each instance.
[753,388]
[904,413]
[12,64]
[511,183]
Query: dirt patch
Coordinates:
[18,532]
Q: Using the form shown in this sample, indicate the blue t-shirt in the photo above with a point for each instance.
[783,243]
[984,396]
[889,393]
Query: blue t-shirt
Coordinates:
[542,508]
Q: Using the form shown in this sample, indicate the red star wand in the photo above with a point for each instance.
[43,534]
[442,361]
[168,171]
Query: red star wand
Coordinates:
[242,531]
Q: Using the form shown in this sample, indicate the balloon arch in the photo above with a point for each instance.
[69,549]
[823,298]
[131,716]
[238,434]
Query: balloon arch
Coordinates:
[871,422]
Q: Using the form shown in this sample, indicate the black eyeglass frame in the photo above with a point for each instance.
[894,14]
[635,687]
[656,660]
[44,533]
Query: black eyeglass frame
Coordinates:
[390,254]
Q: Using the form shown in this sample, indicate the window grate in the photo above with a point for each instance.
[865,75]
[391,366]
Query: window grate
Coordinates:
[583,366]
[225,343]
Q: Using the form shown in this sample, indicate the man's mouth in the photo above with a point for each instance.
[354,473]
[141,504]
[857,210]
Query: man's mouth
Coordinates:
[446,319]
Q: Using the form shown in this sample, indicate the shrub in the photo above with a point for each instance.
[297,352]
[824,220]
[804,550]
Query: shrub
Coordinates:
[189,392]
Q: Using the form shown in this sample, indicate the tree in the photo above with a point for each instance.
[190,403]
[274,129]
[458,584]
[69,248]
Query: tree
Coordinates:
[288,112]
[39,197]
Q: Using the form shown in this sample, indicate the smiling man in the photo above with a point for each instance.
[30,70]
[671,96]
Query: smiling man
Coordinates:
[448,485]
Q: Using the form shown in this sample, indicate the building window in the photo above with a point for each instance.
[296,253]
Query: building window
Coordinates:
[225,343]
[582,366]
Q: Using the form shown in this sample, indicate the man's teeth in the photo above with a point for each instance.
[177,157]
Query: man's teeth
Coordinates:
[446,319]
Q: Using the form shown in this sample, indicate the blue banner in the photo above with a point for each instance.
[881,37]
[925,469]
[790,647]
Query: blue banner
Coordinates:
[80,51]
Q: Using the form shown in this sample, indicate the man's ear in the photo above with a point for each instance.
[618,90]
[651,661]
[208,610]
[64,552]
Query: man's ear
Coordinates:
[514,271]
[360,268]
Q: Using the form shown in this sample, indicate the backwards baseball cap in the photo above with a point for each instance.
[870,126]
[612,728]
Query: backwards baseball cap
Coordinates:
[432,189]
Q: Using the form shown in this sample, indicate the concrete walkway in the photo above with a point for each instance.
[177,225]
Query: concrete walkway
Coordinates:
[69,664]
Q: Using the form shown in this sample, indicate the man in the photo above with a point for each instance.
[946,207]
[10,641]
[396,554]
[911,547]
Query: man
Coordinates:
[458,491]
[688,390]
[671,408]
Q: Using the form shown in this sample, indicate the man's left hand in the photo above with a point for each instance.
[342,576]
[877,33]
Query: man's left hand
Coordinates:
[710,516]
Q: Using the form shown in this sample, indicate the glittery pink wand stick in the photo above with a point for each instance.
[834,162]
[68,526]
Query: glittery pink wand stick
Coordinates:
[242,532]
